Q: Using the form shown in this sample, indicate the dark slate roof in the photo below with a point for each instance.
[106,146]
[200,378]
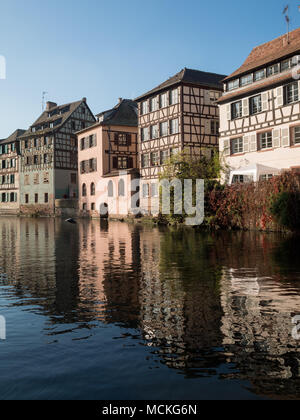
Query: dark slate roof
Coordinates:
[13,137]
[44,118]
[189,76]
[125,113]
[270,52]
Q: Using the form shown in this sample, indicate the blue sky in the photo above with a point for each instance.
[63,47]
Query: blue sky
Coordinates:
[104,50]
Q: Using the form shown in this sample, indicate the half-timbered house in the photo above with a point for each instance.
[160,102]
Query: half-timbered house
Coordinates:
[179,115]
[9,174]
[108,162]
[260,112]
[49,156]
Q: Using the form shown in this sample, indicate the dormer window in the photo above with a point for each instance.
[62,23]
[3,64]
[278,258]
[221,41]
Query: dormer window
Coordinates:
[285,65]
[246,80]
[272,70]
[259,75]
[234,84]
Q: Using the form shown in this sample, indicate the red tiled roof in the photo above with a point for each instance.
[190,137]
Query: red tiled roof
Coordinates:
[269,52]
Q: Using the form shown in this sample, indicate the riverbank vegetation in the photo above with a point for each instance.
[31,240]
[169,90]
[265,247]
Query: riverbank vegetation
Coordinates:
[271,205]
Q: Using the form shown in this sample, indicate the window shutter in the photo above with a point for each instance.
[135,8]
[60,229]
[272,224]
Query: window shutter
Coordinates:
[276,137]
[245,103]
[207,127]
[253,143]
[228,110]
[285,136]
[115,162]
[226,147]
[265,101]
[279,97]
[246,144]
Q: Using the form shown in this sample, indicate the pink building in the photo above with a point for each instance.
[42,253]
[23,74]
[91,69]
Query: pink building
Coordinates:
[108,162]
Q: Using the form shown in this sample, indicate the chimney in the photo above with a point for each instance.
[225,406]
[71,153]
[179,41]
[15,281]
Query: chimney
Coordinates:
[83,99]
[50,105]
[120,100]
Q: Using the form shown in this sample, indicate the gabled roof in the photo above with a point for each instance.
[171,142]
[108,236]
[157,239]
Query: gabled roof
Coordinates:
[125,113]
[45,119]
[13,137]
[189,76]
[269,52]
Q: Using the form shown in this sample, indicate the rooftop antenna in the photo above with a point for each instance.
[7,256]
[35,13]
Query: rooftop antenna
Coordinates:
[43,100]
[288,21]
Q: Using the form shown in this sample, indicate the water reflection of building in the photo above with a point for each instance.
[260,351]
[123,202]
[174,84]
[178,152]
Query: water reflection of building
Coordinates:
[257,324]
[108,270]
[179,314]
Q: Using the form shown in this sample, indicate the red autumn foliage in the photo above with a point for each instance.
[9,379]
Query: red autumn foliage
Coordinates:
[247,206]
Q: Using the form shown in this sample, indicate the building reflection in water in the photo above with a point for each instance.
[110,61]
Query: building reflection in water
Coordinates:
[205,304]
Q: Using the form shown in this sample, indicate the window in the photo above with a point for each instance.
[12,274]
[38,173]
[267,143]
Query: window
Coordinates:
[93,206]
[121,188]
[145,132]
[123,139]
[154,132]
[83,190]
[145,161]
[93,189]
[214,127]
[163,100]
[153,104]
[237,146]
[266,140]
[259,75]
[93,140]
[36,198]
[35,159]
[174,97]
[155,158]
[174,152]
[164,129]
[35,143]
[164,156]
[12,179]
[46,178]
[144,107]
[45,158]
[46,198]
[237,110]
[265,177]
[26,144]
[246,80]
[296,135]
[122,162]
[146,190]
[154,190]
[255,105]
[272,70]
[26,198]
[234,84]
[214,96]
[291,93]
[285,65]
[36,179]
[242,179]
[174,126]
[82,144]
[84,207]
[110,189]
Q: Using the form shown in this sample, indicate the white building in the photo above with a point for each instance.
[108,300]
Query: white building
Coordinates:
[260,112]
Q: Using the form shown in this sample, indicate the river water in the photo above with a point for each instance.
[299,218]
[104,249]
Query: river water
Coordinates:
[116,311]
